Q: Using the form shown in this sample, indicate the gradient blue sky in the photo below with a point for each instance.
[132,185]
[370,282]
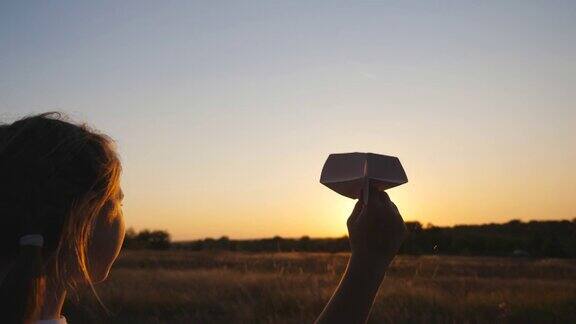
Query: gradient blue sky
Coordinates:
[224,111]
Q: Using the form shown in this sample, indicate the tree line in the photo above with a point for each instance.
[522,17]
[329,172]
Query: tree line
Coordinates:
[147,239]
[514,238]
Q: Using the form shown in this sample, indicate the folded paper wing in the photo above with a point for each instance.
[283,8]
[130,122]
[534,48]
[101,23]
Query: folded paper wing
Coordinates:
[348,173]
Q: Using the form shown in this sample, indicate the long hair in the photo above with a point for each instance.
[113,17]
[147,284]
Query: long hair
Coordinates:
[55,178]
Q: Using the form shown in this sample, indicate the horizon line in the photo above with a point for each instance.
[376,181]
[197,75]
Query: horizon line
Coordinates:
[428,225]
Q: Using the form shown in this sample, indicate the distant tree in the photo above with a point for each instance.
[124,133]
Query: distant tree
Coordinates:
[146,239]
[224,243]
[130,238]
[157,240]
[304,243]
[414,227]
[277,240]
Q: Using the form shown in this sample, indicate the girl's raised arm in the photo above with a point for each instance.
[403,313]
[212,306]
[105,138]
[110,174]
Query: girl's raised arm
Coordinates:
[376,231]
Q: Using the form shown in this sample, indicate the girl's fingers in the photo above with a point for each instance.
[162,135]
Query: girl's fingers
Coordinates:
[380,210]
[395,207]
[384,199]
[355,213]
[388,203]
[369,215]
[361,206]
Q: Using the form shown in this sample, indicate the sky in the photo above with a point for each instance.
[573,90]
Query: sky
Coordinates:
[225,111]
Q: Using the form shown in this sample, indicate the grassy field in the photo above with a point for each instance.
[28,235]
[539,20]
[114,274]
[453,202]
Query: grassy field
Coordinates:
[204,287]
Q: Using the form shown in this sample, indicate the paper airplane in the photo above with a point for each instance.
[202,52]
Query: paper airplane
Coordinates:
[350,174]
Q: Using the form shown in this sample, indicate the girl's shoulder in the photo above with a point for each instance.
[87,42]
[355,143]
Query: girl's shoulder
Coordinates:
[61,320]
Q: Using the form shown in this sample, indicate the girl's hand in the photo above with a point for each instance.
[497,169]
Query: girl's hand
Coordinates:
[376,231]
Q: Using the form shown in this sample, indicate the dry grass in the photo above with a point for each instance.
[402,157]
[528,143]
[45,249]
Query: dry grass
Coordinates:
[201,287]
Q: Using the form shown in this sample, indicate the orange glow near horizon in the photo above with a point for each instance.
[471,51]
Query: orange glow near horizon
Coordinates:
[297,208]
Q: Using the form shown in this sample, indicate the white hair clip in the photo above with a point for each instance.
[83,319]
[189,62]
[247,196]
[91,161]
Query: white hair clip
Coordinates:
[32,240]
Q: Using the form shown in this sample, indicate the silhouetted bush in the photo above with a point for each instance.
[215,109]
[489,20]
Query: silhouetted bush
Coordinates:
[146,239]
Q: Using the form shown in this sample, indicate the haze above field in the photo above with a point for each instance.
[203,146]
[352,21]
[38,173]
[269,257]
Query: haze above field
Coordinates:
[225,112]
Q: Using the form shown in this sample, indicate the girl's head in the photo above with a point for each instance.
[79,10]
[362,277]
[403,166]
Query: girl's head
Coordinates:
[59,180]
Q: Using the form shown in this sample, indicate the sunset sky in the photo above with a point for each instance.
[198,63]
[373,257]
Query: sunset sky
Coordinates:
[224,111]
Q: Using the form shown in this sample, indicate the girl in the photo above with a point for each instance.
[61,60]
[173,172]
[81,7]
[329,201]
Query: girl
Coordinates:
[60,220]
[61,224]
